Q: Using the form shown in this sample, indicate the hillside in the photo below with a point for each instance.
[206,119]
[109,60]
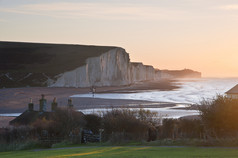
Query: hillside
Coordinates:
[65,65]
[35,64]
[45,58]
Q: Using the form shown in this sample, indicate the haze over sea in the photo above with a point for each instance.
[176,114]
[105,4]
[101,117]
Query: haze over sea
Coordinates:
[190,91]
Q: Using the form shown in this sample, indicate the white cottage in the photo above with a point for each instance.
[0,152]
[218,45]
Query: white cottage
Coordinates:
[233,92]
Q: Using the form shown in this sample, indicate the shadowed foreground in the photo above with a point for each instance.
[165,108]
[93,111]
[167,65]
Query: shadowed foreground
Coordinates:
[131,152]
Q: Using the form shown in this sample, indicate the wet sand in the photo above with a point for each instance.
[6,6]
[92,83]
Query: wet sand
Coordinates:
[15,100]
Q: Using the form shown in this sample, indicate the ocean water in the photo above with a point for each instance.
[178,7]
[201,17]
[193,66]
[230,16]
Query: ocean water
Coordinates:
[167,112]
[191,91]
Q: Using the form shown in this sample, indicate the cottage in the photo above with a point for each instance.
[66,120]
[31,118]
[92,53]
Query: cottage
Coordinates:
[233,93]
[31,115]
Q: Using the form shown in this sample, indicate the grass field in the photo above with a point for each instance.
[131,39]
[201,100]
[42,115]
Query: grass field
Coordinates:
[127,152]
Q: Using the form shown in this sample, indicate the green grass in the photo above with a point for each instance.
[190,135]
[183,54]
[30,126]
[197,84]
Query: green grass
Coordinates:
[126,152]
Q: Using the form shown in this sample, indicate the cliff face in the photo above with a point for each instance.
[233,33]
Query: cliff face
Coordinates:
[34,64]
[150,73]
[109,69]
[39,64]
[137,72]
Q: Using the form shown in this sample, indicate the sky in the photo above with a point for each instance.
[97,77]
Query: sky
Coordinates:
[169,34]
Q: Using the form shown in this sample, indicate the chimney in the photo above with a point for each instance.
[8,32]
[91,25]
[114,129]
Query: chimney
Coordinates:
[70,105]
[42,103]
[30,105]
[54,105]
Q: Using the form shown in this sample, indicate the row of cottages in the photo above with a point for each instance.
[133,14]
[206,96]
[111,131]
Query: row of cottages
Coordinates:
[31,115]
[233,92]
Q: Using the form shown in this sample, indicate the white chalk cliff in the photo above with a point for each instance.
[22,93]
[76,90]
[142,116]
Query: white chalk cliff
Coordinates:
[108,69]
[64,65]
[113,68]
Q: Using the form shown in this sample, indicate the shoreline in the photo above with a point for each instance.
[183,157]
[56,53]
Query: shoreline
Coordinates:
[15,100]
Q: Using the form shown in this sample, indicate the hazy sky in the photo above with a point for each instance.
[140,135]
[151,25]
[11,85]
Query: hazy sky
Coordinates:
[168,34]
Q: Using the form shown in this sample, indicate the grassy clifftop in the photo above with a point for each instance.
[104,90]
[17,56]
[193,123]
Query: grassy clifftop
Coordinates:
[35,64]
[45,58]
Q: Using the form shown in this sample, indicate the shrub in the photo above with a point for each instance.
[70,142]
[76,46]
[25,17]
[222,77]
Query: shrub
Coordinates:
[20,145]
[220,116]
[67,120]
[181,129]
[189,128]
[13,134]
[167,130]
[125,124]
[93,123]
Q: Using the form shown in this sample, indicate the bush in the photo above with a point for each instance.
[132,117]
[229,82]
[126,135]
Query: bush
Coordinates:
[13,134]
[93,123]
[62,144]
[190,128]
[168,128]
[220,116]
[125,124]
[20,145]
[67,120]
[181,129]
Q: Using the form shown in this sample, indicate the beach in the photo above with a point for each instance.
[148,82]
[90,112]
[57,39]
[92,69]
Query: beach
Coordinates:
[15,100]
[171,98]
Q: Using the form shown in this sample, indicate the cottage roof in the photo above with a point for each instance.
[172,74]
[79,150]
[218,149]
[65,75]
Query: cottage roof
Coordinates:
[29,117]
[233,90]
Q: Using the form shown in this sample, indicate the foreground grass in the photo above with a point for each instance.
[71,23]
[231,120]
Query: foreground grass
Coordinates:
[127,152]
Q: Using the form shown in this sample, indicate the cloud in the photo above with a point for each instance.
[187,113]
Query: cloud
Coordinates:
[229,7]
[96,10]
[3,20]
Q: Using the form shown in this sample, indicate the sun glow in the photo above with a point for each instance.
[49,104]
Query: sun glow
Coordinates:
[201,35]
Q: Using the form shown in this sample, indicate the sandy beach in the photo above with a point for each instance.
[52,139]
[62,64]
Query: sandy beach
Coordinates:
[15,100]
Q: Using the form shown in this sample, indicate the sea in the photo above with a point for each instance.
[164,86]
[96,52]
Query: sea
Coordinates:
[190,91]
